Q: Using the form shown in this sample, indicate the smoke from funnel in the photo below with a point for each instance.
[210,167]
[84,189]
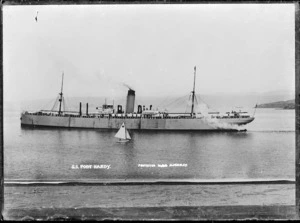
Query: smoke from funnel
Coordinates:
[126,85]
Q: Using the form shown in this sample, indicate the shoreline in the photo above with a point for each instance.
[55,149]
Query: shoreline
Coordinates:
[269,201]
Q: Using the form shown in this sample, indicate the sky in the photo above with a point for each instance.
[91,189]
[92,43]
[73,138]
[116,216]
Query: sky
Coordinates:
[152,48]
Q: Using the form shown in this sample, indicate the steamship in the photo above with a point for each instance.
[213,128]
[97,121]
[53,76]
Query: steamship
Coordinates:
[107,117]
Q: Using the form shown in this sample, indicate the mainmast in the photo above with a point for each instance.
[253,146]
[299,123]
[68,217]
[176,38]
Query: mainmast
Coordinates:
[193,92]
[61,93]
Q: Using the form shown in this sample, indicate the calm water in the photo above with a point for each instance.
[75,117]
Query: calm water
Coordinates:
[265,151]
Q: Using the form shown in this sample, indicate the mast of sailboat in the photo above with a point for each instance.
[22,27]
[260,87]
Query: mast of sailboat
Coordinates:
[61,93]
[193,92]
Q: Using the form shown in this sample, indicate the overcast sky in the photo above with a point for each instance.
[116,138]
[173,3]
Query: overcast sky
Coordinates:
[152,48]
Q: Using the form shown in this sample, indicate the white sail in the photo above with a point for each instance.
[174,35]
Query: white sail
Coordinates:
[123,133]
[127,135]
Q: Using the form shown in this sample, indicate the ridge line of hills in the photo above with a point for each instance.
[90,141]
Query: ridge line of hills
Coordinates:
[289,104]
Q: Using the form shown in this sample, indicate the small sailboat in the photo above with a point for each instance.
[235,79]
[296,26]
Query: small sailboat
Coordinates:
[123,134]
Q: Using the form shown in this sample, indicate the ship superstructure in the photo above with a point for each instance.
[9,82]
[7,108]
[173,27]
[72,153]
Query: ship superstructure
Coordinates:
[107,117]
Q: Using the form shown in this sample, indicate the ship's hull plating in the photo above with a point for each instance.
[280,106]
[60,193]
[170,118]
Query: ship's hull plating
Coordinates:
[115,123]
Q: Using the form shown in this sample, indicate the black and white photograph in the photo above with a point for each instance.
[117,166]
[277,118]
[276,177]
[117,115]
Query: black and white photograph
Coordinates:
[149,111]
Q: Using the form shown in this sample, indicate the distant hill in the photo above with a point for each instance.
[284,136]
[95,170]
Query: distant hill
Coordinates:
[290,104]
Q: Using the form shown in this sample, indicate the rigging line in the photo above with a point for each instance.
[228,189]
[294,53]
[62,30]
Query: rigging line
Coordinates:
[45,106]
[64,104]
[197,108]
[178,103]
[176,100]
[204,102]
[171,105]
[208,106]
[55,103]
[163,101]
[201,99]
[66,101]
[187,104]
[181,105]
[196,99]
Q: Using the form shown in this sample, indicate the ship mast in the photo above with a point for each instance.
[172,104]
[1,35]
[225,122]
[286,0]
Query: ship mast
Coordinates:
[193,92]
[61,94]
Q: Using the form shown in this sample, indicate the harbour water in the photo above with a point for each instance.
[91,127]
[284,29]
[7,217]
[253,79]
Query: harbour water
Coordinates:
[266,151]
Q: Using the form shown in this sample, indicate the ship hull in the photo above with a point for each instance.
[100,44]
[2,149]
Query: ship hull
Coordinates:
[115,123]
[236,121]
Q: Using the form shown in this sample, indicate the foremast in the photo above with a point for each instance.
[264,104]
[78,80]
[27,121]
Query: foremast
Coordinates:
[61,94]
[193,93]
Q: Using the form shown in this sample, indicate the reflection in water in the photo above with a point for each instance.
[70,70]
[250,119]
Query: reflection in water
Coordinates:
[130,160]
